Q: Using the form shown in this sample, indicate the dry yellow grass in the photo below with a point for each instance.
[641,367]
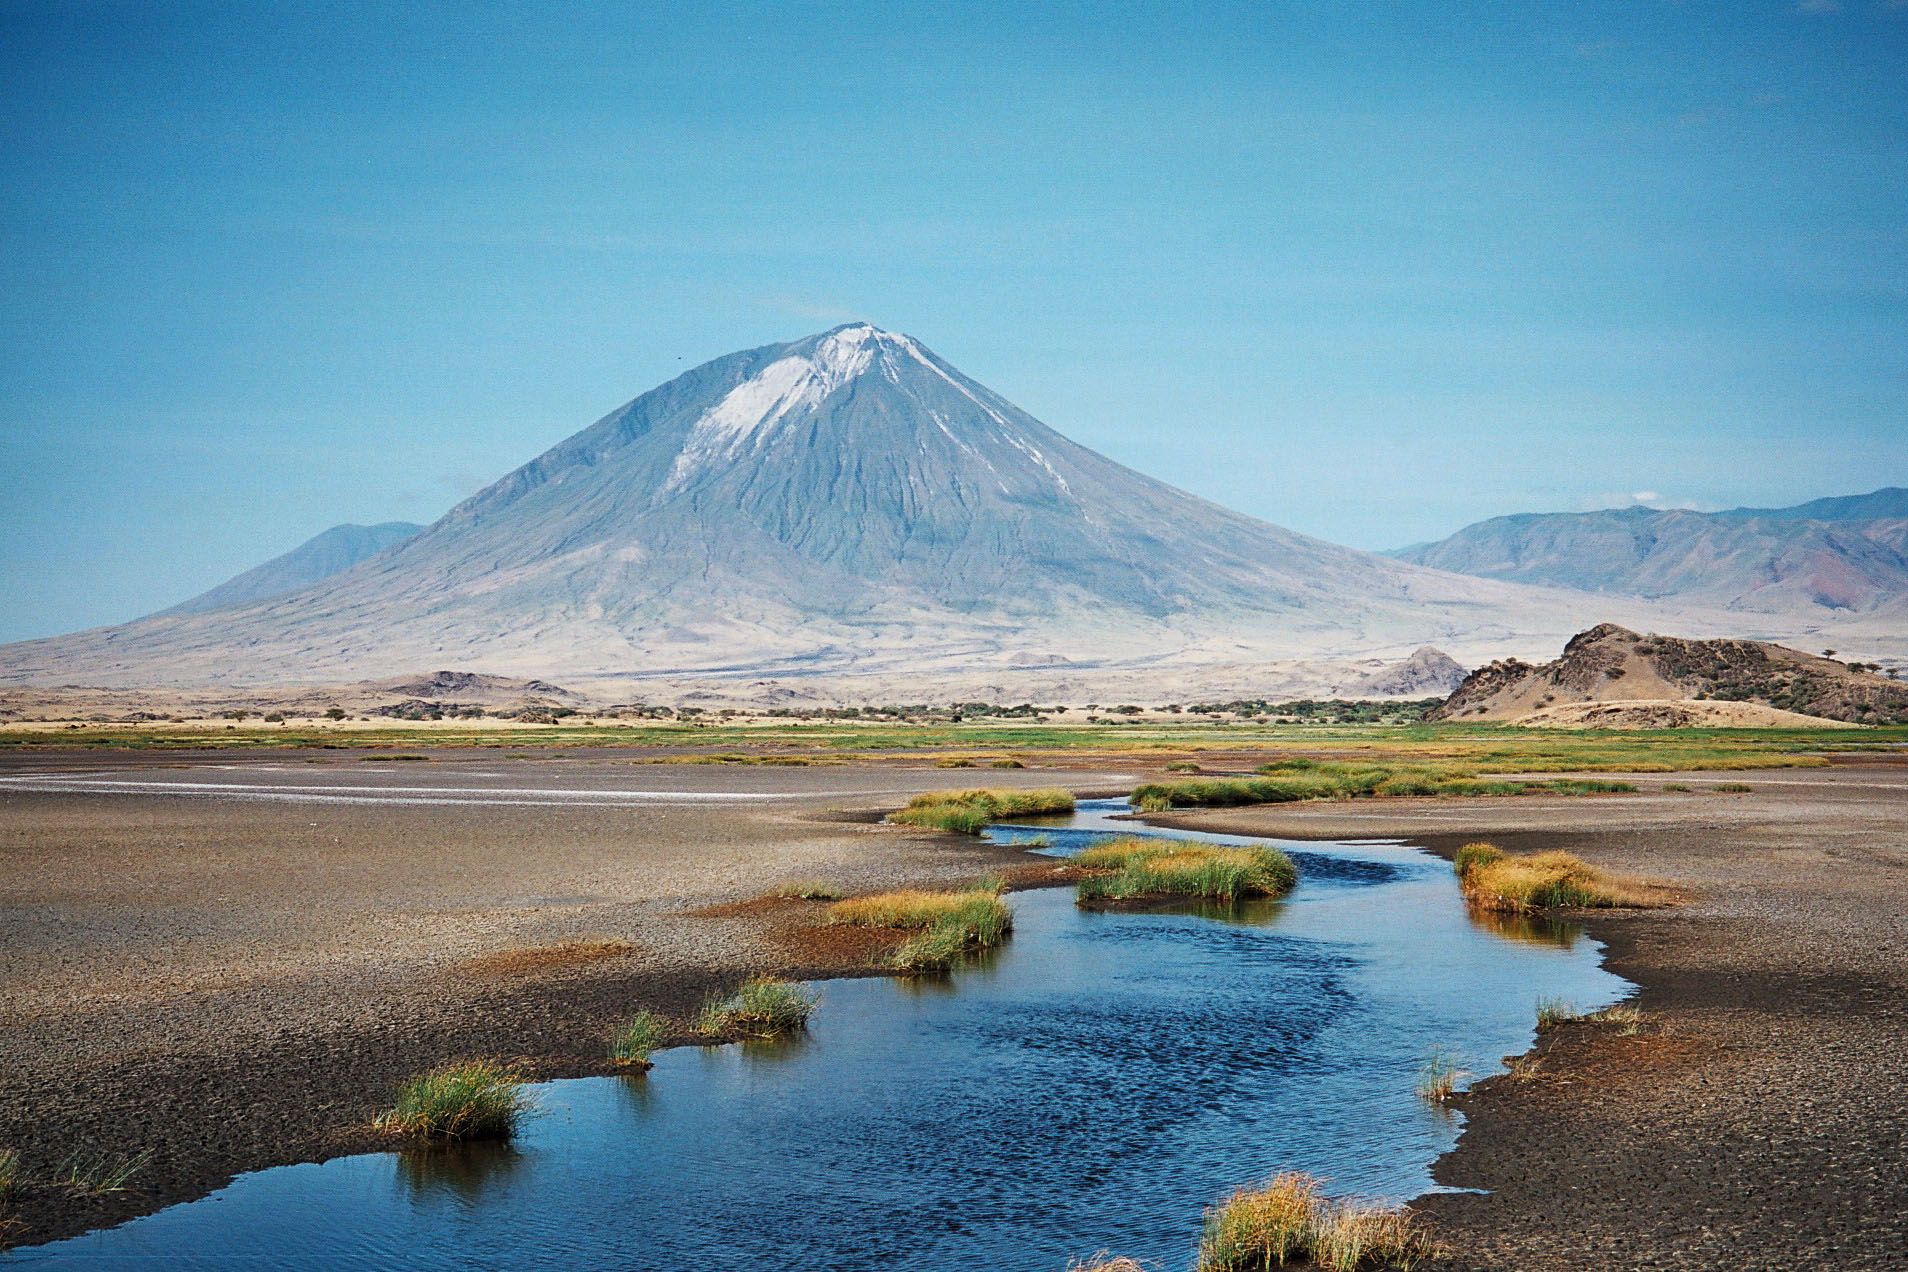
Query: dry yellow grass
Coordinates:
[1285,1221]
[1496,880]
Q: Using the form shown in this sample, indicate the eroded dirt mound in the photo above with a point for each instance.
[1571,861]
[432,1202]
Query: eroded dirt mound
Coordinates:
[1613,666]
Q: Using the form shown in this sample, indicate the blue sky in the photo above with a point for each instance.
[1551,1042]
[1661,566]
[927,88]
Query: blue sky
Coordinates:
[1370,271]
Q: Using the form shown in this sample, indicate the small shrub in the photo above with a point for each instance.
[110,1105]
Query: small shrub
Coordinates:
[1139,867]
[1733,788]
[1555,1011]
[465,1100]
[763,1007]
[636,1037]
[969,812]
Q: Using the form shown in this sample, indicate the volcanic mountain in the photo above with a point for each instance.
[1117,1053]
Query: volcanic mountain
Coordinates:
[846,503]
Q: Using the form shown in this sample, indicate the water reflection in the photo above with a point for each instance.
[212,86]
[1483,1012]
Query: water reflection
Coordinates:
[1528,929]
[463,1172]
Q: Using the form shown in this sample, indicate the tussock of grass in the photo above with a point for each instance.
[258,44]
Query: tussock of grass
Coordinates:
[809,890]
[1102,1262]
[1733,788]
[636,1037]
[1298,778]
[97,1174]
[1552,1012]
[947,926]
[969,812]
[1138,867]
[9,1173]
[465,1100]
[763,1007]
[1008,763]
[1285,1221]
[1676,786]
[1438,1079]
[1628,1020]
[1494,880]
[1182,766]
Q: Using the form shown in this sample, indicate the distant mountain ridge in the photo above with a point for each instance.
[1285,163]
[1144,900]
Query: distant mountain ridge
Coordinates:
[846,504]
[1844,553]
[319,557]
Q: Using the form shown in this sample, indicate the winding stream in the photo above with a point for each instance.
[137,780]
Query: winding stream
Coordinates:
[1091,1086]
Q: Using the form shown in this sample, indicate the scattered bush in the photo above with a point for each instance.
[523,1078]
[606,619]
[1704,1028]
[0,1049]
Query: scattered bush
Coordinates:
[636,1037]
[763,1007]
[969,812]
[1137,867]
[1494,880]
[470,1099]
[1284,1220]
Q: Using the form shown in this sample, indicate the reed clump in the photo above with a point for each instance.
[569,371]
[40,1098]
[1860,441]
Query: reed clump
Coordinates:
[636,1037]
[1298,778]
[969,812]
[762,1007]
[1138,867]
[946,926]
[464,1100]
[1285,1220]
[1438,1078]
[1493,879]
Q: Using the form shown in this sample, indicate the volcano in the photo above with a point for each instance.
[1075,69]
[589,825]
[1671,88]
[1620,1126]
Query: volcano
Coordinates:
[842,504]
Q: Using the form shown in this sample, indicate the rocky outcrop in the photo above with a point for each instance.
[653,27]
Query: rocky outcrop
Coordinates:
[1611,664]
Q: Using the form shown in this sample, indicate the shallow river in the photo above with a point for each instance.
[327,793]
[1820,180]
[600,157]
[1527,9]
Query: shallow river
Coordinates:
[1092,1086]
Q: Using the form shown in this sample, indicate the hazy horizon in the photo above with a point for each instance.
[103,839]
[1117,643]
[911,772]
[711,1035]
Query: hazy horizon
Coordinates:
[1370,275]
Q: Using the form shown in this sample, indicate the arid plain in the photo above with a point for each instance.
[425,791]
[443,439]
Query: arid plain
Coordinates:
[230,957]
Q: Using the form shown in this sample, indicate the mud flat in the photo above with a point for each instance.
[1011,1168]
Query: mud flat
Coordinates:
[1755,1116]
[232,959]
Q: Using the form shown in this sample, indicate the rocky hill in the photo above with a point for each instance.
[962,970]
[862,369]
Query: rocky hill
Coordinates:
[848,506]
[1666,680]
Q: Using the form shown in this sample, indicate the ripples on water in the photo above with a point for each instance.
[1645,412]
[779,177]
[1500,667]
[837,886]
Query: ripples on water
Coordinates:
[1092,1086]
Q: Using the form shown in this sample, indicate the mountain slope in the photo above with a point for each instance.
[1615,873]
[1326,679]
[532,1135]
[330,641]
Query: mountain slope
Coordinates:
[318,557]
[1843,554]
[847,503]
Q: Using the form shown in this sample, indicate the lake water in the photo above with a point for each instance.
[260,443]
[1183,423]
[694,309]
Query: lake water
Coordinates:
[1093,1085]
